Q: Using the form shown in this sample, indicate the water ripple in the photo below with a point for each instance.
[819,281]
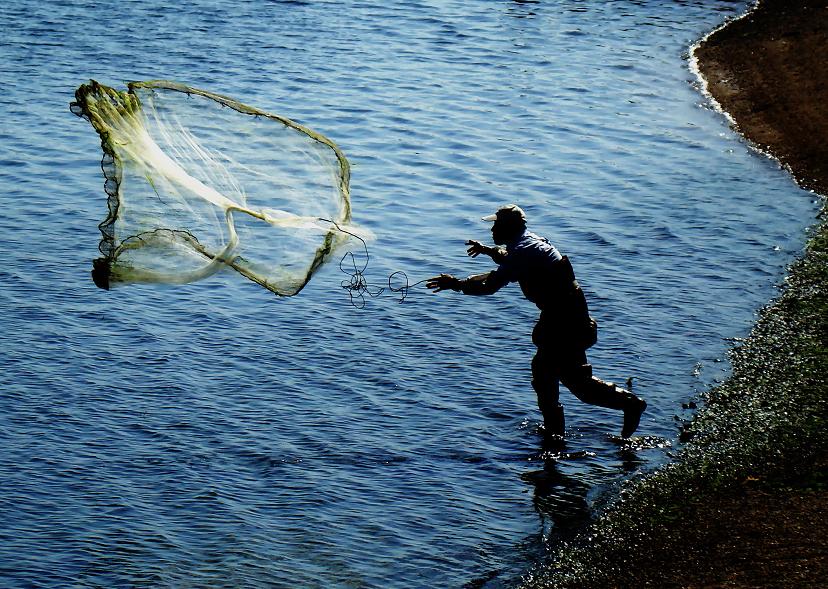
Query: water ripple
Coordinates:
[213,435]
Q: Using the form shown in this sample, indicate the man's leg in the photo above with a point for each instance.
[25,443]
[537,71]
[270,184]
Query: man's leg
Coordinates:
[545,383]
[576,375]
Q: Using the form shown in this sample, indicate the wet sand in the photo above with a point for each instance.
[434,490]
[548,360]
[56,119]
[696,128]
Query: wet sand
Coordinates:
[745,504]
[769,71]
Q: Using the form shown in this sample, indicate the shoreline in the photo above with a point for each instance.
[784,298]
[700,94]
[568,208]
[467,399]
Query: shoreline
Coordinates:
[745,500]
[765,72]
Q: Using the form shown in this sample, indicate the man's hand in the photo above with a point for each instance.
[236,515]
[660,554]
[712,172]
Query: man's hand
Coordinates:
[443,282]
[476,248]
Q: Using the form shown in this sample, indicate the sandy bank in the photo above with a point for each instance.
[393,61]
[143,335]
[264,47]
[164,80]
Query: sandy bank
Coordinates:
[769,71]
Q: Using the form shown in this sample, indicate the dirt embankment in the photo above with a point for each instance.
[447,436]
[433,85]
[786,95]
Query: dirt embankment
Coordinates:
[769,71]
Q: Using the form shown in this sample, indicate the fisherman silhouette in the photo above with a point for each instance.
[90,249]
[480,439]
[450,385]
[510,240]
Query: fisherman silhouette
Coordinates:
[564,330]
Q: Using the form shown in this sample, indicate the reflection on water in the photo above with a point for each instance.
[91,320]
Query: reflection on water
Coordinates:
[559,499]
[214,435]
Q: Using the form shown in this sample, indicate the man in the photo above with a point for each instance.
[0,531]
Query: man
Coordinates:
[564,330]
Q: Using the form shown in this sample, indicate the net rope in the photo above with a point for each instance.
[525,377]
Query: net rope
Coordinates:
[357,285]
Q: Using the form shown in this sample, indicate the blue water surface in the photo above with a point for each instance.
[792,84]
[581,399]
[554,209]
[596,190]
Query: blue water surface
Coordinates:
[214,435]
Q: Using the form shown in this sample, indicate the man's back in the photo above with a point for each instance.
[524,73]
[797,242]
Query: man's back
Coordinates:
[545,276]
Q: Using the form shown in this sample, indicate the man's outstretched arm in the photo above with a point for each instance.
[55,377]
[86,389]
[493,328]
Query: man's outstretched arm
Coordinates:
[479,284]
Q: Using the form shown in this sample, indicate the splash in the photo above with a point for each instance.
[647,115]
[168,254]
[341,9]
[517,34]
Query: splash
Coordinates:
[198,183]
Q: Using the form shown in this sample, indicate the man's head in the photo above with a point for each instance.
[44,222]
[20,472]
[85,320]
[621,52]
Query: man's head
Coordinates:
[509,223]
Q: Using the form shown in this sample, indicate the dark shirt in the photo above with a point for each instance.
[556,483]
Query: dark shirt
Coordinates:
[545,276]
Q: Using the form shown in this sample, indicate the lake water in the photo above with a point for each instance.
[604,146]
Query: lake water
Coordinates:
[214,435]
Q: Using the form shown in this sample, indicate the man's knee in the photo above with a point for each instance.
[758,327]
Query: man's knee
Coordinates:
[581,383]
[577,376]
[595,391]
[543,371]
[544,379]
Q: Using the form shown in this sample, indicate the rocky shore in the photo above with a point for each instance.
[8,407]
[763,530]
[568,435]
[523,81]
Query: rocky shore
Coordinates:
[744,503]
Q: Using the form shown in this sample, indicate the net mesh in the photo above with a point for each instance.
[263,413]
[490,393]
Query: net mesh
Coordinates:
[198,182]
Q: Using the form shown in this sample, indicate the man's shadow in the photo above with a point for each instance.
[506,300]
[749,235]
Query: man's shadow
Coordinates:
[560,499]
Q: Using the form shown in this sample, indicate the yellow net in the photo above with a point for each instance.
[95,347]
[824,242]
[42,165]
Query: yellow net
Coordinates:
[198,182]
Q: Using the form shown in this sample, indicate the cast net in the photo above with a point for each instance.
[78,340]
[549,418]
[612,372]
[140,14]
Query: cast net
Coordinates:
[198,182]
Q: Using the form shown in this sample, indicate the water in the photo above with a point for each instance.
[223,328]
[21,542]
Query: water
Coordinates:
[214,435]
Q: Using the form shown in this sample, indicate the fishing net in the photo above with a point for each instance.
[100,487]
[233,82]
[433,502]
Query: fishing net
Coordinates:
[198,182]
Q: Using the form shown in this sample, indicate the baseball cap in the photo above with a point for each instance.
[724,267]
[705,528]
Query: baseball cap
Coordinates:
[510,214]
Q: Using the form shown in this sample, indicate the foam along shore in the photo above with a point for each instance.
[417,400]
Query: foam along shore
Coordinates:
[744,502]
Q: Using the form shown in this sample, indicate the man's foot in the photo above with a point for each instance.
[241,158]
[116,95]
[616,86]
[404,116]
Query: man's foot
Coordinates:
[632,415]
